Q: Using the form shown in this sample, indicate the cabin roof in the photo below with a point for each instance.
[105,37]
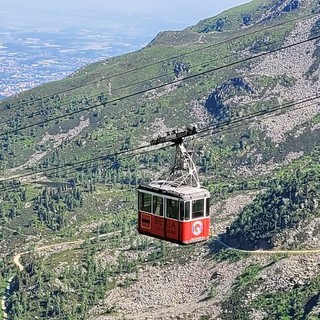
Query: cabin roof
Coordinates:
[170,188]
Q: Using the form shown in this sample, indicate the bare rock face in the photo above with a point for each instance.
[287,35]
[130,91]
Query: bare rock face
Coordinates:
[180,68]
[217,103]
[218,25]
[292,5]
[268,11]
[280,7]
[247,20]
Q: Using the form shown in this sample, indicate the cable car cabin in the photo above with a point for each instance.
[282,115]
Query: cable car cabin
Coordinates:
[174,213]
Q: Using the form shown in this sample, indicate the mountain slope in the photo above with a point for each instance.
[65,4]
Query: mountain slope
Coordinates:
[262,173]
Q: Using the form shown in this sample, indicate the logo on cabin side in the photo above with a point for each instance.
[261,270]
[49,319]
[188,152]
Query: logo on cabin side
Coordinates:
[197,228]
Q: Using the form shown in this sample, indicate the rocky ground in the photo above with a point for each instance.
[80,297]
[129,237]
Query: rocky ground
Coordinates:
[278,64]
[195,290]
[304,236]
[179,291]
[175,291]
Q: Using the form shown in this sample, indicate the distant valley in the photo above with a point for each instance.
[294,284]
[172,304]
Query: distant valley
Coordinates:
[31,58]
[73,151]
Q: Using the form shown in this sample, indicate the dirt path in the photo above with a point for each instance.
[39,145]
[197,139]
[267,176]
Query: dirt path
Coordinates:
[16,258]
[300,251]
[16,231]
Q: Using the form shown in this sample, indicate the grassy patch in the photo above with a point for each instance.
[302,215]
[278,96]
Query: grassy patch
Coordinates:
[229,255]
[294,304]
[247,277]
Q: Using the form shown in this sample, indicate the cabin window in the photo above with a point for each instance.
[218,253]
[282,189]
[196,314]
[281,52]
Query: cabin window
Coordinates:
[181,210]
[197,209]
[207,207]
[157,205]
[145,202]
[173,209]
[187,211]
[184,211]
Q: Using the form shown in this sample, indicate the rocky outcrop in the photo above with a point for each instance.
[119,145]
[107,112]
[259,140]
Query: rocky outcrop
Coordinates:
[315,32]
[281,7]
[267,11]
[247,20]
[218,25]
[292,5]
[180,68]
[217,103]
[277,64]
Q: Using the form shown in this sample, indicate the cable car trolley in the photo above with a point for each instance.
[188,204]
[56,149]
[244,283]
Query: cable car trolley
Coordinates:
[175,209]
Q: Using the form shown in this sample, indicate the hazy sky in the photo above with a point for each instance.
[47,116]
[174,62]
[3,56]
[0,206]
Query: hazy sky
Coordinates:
[73,33]
[176,14]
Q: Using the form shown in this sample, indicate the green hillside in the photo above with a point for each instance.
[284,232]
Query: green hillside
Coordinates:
[292,198]
[75,225]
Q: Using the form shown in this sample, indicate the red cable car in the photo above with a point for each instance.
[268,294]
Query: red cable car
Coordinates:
[176,210]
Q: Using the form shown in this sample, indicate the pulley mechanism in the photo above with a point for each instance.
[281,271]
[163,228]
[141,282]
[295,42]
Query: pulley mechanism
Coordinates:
[184,171]
[176,209]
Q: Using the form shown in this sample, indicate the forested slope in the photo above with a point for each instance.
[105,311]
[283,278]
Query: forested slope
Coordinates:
[249,79]
[292,198]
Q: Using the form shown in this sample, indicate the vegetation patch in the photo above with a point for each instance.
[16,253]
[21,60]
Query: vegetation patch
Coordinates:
[295,304]
[234,306]
[295,192]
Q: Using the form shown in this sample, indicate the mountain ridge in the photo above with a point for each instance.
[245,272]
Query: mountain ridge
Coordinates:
[245,166]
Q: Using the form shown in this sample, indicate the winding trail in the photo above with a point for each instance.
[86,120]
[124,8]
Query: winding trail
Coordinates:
[16,261]
[293,251]
[17,256]
[16,231]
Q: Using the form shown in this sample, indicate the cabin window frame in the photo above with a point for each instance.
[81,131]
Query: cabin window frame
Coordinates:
[199,213]
[161,214]
[141,201]
[185,212]
[176,217]
[207,207]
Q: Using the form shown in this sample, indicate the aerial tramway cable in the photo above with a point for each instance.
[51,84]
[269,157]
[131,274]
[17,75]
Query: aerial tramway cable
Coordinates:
[228,40]
[208,131]
[36,113]
[161,86]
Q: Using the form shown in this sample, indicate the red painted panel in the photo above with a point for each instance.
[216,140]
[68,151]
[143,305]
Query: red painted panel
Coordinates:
[172,229]
[195,230]
[149,223]
[158,226]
